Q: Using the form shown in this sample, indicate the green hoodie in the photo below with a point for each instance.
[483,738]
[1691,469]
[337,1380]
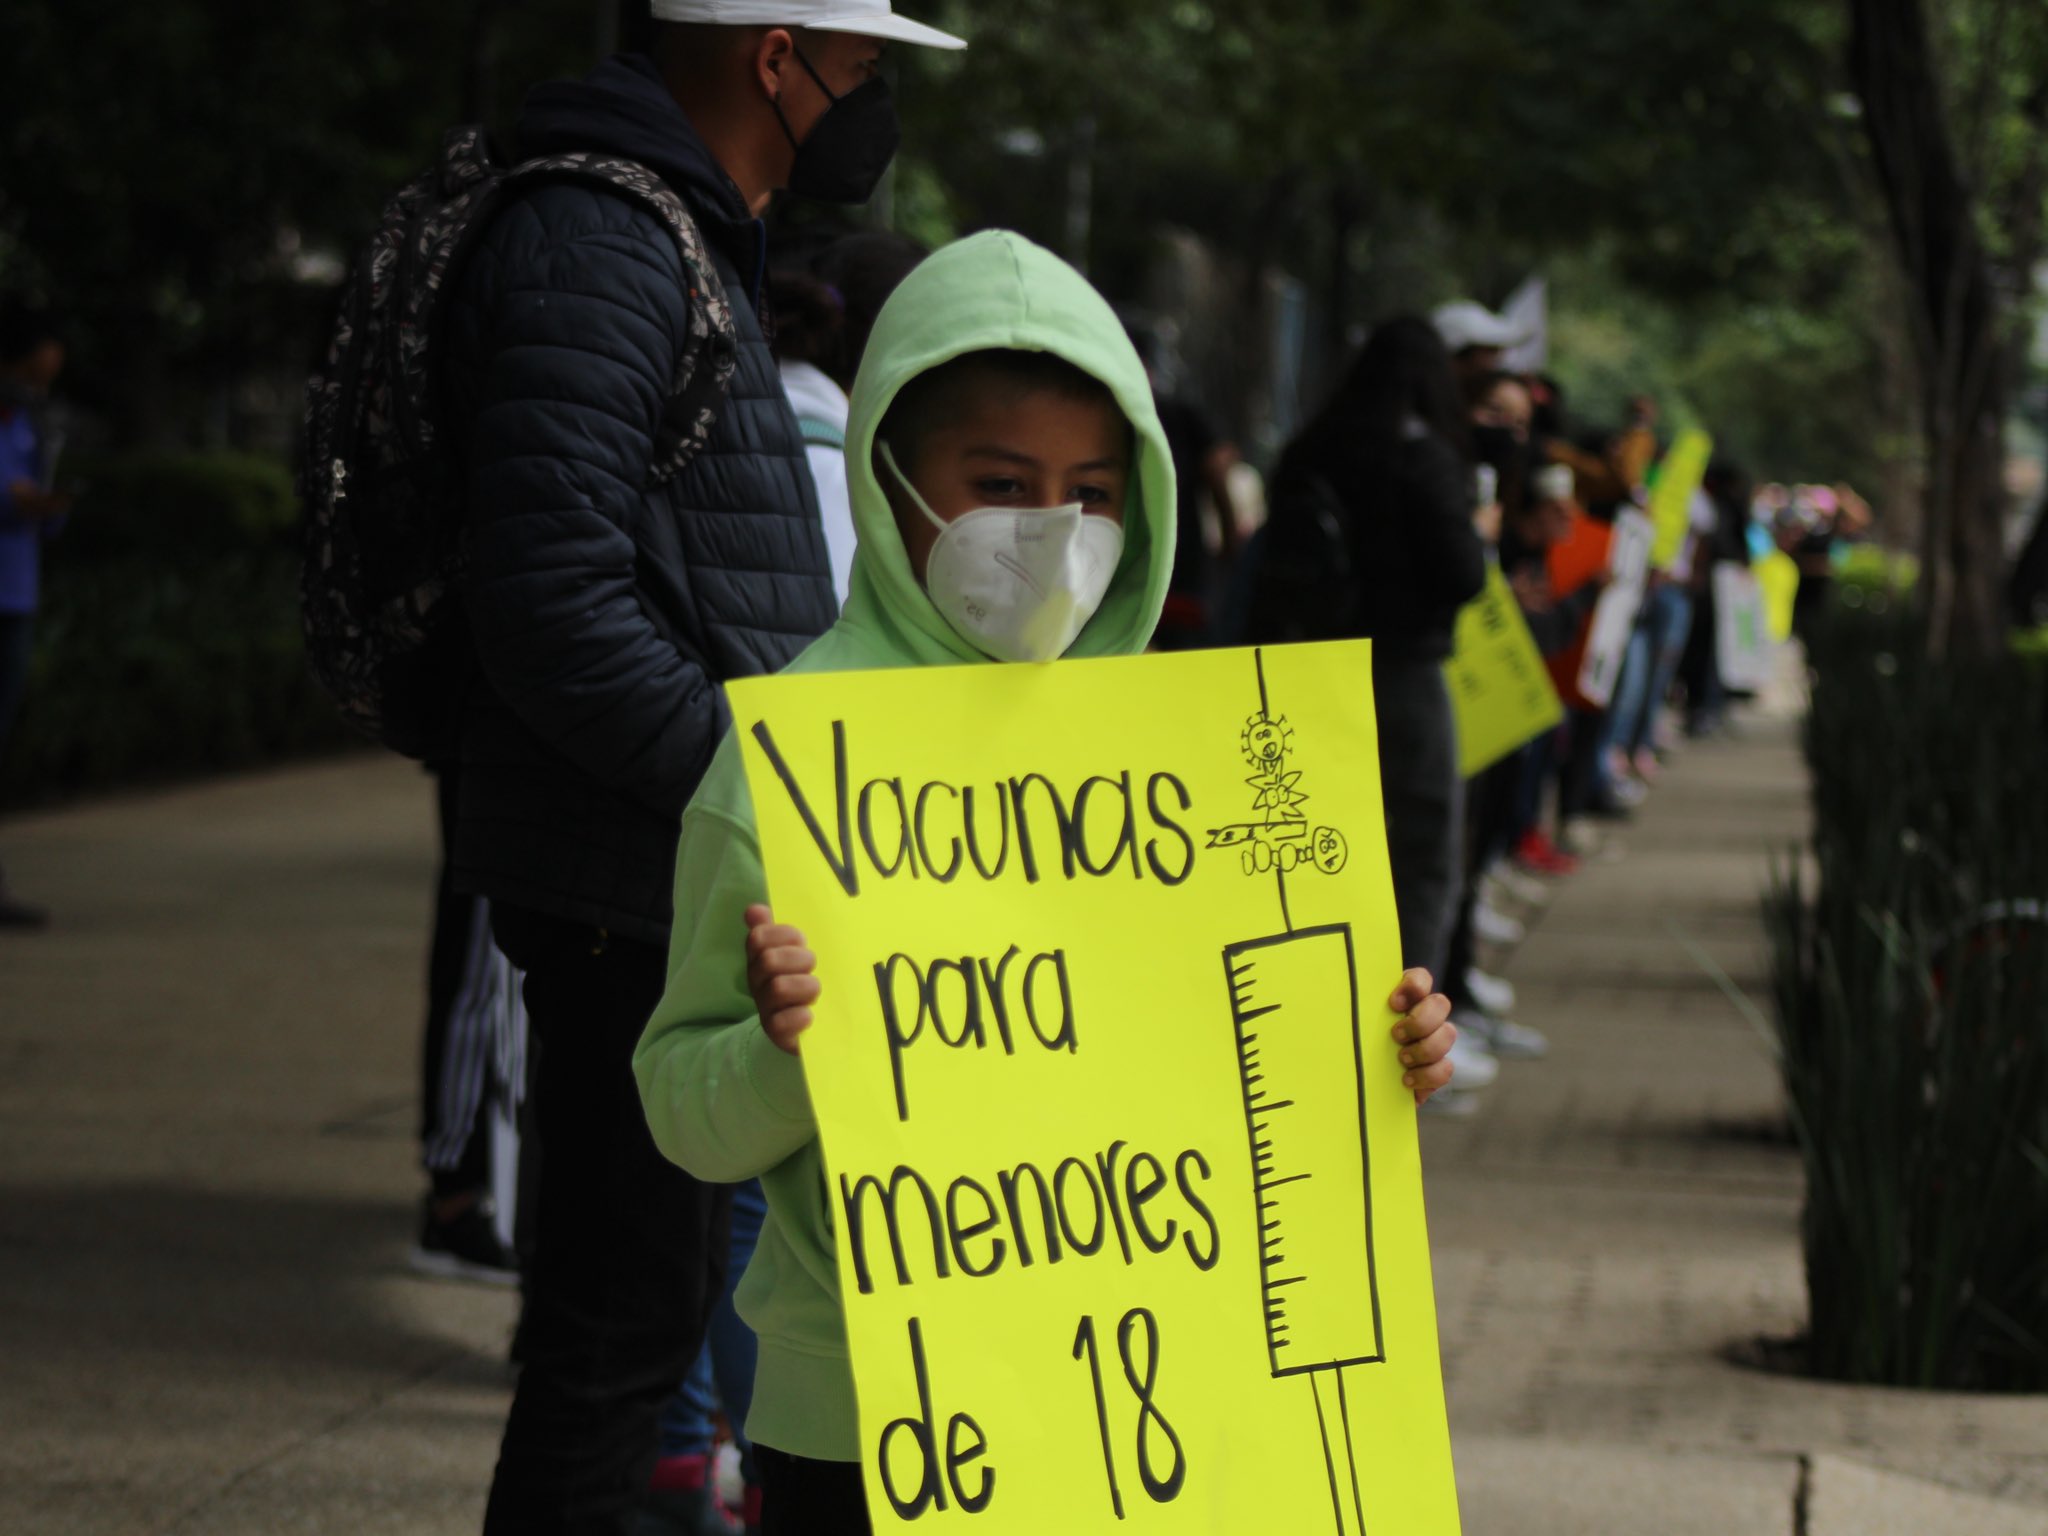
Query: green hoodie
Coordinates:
[721,1099]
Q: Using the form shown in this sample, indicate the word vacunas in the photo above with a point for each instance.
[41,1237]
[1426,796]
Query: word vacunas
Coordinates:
[939,831]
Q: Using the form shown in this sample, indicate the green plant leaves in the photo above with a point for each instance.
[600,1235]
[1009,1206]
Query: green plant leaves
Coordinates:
[1912,1008]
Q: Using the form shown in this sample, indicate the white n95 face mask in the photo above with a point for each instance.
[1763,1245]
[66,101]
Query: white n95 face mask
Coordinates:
[1018,583]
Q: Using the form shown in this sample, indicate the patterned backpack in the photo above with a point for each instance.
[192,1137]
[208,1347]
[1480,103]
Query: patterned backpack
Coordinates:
[383,522]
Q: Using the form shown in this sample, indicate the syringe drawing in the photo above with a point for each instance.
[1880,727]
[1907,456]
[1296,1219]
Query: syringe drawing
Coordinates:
[1301,1069]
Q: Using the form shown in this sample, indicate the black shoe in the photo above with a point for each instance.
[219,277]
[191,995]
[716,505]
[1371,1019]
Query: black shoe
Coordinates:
[19,914]
[465,1246]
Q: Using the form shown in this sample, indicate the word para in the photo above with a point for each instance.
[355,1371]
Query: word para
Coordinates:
[980,996]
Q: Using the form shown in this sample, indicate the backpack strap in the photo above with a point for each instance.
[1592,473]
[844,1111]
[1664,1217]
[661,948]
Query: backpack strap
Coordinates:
[710,349]
[820,433]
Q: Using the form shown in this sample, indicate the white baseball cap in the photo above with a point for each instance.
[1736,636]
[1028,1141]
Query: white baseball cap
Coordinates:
[1468,324]
[863,18]
[1553,482]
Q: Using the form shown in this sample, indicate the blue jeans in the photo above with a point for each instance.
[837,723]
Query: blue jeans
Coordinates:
[1534,765]
[724,1372]
[1654,652]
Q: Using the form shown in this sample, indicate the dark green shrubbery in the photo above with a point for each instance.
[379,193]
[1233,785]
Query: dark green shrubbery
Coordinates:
[169,640]
[1912,993]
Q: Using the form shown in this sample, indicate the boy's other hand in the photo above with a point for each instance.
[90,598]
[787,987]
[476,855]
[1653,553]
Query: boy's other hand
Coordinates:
[1425,1034]
[779,975]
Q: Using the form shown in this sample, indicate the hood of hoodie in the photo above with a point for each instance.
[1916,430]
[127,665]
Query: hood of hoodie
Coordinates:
[624,108]
[993,291]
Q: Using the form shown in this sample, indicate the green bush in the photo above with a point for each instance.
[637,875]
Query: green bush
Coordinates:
[178,507]
[168,643]
[1874,568]
[1912,1004]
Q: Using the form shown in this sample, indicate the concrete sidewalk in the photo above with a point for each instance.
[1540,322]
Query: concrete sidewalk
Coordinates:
[1624,1211]
[207,1178]
[207,1191]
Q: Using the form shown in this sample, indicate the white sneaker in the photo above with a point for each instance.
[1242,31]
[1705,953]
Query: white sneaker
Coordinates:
[1473,1066]
[1450,1104]
[1583,839]
[728,1478]
[1494,925]
[1503,880]
[1507,1040]
[1493,994]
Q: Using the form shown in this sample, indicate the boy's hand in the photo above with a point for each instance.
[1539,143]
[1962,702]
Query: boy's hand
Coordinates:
[779,975]
[1425,1034]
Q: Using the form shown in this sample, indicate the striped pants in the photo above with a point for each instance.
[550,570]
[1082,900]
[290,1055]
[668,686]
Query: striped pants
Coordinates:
[473,1063]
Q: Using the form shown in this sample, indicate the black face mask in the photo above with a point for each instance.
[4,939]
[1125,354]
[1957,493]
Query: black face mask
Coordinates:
[849,147]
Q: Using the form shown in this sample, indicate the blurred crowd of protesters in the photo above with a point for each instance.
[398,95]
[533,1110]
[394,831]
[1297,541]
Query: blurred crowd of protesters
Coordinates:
[606,606]
[1430,462]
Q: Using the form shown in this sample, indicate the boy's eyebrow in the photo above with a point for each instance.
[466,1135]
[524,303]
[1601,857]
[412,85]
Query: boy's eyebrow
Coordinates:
[1014,456]
[997,451]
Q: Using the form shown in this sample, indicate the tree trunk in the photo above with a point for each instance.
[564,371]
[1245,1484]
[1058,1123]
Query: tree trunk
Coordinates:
[1955,315]
[480,62]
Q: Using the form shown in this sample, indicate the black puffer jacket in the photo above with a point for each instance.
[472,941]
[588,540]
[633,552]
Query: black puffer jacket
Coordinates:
[606,611]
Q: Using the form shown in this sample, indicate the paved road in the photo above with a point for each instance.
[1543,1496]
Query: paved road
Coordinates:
[207,1090]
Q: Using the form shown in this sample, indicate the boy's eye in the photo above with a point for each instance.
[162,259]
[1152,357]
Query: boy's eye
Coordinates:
[1000,487]
[1091,495]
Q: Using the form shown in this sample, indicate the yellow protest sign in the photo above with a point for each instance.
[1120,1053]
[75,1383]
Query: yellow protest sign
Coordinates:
[1501,692]
[1778,574]
[1679,475]
[1124,1181]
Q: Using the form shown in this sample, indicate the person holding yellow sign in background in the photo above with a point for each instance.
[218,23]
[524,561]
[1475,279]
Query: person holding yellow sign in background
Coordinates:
[1014,499]
[1390,453]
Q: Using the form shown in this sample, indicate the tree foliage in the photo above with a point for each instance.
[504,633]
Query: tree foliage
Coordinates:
[1700,169]
[161,165]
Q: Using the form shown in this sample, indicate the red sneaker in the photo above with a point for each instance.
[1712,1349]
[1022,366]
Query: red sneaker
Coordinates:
[1537,854]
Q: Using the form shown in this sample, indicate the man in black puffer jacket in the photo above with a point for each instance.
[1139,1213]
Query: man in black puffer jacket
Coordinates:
[606,610]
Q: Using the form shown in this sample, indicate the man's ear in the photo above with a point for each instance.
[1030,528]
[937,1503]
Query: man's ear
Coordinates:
[774,51]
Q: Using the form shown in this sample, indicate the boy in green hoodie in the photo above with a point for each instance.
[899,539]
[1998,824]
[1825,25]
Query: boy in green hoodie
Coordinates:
[1013,494]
